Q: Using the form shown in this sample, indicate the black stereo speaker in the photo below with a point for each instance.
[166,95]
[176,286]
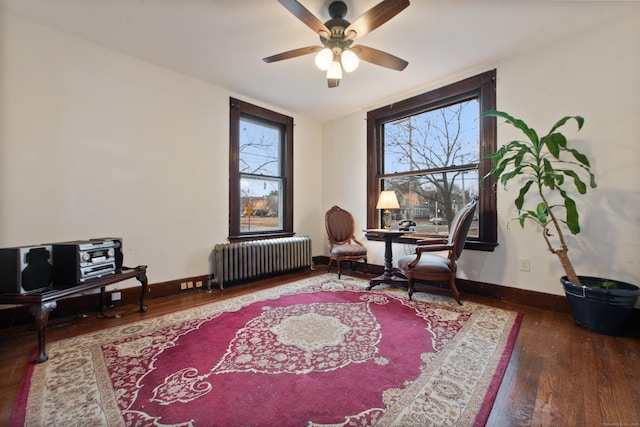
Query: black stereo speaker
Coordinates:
[25,269]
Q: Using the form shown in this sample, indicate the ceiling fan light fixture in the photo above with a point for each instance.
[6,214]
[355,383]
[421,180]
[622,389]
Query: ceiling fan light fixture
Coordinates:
[324,59]
[337,35]
[335,71]
[349,60]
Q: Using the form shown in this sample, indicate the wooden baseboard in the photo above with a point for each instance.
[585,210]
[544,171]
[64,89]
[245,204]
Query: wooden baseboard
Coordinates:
[514,295]
[164,289]
[504,293]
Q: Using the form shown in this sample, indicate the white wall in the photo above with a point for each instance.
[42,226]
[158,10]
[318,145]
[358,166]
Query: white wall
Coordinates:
[94,143]
[345,169]
[593,74]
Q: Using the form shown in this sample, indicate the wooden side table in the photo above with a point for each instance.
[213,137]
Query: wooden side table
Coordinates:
[387,276]
[43,303]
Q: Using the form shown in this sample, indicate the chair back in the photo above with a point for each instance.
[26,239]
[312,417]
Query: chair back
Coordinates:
[339,224]
[460,227]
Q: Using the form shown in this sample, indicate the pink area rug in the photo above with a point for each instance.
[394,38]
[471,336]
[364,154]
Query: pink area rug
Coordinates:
[315,352]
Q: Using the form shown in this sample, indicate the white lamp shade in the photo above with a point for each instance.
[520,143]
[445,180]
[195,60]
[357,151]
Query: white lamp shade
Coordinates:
[388,200]
[324,58]
[334,71]
[350,60]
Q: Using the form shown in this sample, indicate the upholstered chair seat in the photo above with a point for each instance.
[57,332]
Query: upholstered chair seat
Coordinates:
[426,265]
[348,250]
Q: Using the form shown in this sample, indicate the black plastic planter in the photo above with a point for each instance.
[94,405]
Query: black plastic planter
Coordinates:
[598,309]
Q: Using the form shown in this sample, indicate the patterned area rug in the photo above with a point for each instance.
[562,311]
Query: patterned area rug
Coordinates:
[316,352]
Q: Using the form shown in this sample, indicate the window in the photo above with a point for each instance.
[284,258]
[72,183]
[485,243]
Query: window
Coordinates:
[429,150]
[260,173]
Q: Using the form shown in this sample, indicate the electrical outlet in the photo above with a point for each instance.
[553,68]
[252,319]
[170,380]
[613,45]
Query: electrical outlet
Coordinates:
[524,264]
[183,286]
[199,284]
[190,284]
[116,296]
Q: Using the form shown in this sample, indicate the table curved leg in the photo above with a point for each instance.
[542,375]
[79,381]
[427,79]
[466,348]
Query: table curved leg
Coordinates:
[142,278]
[41,314]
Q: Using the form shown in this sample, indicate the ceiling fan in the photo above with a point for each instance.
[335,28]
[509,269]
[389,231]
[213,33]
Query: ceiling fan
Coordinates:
[337,36]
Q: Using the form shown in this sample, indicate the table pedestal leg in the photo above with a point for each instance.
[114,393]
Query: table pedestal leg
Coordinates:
[387,276]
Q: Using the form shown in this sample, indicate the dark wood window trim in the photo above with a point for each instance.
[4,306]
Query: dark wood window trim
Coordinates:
[238,109]
[484,87]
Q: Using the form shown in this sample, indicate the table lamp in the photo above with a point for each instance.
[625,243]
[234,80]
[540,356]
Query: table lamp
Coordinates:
[387,200]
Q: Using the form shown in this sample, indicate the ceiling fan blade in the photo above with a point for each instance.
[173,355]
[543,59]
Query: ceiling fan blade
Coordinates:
[379,57]
[310,20]
[374,17]
[292,54]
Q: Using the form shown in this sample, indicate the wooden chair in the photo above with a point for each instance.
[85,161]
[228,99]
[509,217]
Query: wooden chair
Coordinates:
[436,268]
[343,246]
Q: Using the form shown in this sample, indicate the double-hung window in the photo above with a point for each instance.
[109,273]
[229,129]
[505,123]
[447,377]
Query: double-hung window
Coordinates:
[260,171]
[429,149]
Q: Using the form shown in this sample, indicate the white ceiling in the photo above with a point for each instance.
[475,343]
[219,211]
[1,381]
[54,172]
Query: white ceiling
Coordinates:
[223,41]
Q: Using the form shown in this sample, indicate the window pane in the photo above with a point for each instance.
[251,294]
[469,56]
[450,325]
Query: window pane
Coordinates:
[433,139]
[430,149]
[432,200]
[260,172]
[259,147]
[260,204]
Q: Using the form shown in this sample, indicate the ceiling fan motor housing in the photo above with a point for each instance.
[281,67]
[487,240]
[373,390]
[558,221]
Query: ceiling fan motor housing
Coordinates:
[337,24]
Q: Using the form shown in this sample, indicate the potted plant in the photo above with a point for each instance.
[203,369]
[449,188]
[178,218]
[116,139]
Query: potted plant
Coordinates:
[549,173]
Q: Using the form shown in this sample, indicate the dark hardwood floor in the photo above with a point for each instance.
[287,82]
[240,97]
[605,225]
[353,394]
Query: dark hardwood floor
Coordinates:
[558,375]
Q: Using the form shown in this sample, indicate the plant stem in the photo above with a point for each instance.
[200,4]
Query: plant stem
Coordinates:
[562,251]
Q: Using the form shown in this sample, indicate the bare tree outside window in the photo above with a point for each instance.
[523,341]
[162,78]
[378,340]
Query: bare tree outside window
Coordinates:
[430,161]
[431,150]
[260,181]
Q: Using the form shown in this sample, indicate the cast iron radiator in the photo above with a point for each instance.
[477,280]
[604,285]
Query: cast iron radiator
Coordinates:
[233,262]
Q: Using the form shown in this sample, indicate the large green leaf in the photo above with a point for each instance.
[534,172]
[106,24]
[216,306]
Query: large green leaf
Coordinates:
[548,177]
[541,220]
[514,172]
[523,192]
[564,120]
[553,142]
[573,219]
[580,185]
[531,134]
[579,156]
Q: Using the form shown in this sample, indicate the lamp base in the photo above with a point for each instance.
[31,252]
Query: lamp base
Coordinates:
[386,219]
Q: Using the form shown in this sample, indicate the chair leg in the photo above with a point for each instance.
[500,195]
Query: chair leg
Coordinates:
[339,268]
[410,286]
[329,267]
[454,289]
